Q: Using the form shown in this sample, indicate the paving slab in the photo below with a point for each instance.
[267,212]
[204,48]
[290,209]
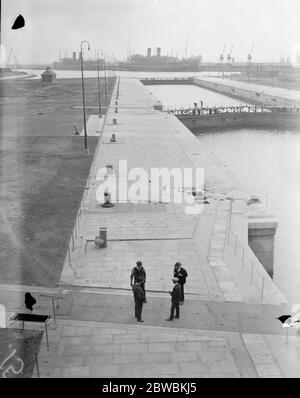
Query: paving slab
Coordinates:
[218,354]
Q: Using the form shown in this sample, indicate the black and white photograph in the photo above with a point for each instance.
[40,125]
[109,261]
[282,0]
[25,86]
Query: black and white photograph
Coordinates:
[149,192]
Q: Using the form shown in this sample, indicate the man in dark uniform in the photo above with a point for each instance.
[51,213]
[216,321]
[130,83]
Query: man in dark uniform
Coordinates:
[139,298]
[181,274]
[138,275]
[175,297]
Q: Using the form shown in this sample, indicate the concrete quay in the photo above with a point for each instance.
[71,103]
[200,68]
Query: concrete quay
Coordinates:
[228,325]
[224,120]
[159,234]
[253,93]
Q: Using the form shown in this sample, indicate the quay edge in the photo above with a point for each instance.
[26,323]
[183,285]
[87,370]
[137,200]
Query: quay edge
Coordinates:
[153,233]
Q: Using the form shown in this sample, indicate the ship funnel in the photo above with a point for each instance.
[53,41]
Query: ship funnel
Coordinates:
[158,51]
[148,52]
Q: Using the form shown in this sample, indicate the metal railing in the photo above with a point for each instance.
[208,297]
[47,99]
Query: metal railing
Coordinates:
[166,78]
[234,249]
[248,265]
[77,227]
[209,111]
[212,230]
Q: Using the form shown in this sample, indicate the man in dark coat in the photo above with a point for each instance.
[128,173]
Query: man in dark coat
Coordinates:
[181,274]
[138,275]
[139,298]
[175,297]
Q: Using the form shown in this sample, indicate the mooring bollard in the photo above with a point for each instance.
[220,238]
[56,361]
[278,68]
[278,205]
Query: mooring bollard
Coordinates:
[107,200]
[113,138]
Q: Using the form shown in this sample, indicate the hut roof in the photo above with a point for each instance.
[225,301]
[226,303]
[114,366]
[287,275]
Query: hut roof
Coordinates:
[48,72]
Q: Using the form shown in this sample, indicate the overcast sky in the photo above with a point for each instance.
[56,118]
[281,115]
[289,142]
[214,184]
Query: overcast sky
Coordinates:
[113,25]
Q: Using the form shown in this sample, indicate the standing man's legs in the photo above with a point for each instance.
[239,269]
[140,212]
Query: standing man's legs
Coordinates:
[174,308]
[139,310]
[143,287]
[172,311]
[182,293]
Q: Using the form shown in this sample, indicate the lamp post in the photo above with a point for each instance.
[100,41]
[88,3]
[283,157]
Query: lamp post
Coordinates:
[108,73]
[112,69]
[83,97]
[99,95]
[105,83]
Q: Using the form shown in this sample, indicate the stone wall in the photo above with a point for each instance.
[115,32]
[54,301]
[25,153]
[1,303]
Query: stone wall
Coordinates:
[251,96]
[223,121]
[261,239]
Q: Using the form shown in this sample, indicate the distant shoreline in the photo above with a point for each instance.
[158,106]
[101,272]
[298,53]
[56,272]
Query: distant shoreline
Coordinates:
[11,74]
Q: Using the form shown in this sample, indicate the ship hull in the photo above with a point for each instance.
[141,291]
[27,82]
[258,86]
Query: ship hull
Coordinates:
[134,68]
[161,68]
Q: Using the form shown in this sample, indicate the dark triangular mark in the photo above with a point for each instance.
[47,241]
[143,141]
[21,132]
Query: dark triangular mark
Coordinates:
[283,318]
[19,22]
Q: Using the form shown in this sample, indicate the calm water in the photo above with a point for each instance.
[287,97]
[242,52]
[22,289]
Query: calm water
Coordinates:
[186,95]
[269,162]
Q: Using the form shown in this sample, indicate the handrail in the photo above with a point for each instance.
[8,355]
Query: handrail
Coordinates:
[212,230]
[213,110]
[77,226]
[245,261]
[165,78]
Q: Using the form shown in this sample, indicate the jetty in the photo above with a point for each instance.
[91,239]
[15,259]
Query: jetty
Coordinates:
[199,119]
[228,325]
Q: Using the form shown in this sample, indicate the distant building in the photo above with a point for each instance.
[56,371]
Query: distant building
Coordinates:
[48,76]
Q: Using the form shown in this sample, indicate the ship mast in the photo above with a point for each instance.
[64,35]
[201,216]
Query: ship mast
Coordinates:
[186,46]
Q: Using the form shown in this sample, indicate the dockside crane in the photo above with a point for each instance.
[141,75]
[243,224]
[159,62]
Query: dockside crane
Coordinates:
[222,54]
[249,58]
[229,55]
[186,46]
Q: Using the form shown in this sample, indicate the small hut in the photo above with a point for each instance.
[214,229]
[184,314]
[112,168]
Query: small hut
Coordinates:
[48,76]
